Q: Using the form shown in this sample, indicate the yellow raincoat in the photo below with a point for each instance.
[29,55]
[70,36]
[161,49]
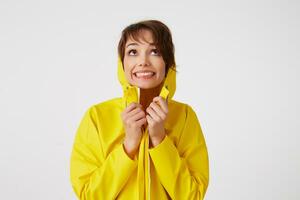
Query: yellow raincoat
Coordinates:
[177,168]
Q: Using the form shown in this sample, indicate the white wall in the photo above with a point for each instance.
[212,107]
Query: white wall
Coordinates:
[239,67]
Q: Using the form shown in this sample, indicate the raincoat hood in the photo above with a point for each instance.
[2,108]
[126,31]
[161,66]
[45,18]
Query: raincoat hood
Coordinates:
[131,93]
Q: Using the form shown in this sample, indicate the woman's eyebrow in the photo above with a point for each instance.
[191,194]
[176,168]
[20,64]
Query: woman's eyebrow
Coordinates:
[134,44]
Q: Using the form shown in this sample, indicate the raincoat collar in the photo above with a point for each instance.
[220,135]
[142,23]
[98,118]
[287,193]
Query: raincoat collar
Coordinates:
[131,93]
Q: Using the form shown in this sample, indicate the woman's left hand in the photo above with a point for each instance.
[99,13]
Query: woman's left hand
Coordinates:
[157,113]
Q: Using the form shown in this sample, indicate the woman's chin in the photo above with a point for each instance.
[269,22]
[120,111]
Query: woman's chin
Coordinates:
[150,84]
[146,85]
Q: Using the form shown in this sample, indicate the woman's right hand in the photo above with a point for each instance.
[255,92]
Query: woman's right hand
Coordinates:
[133,118]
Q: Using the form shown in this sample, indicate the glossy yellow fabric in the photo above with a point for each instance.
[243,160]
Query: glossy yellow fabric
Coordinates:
[177,168]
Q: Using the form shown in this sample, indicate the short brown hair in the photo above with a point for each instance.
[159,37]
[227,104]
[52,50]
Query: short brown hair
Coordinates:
[161,35]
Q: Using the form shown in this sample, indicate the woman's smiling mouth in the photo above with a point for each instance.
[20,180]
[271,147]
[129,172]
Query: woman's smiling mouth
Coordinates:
[144,74]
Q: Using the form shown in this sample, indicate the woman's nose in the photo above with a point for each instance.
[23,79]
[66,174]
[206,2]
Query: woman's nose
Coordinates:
[143,60]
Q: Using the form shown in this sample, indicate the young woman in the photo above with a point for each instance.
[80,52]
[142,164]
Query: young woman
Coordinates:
[144,145]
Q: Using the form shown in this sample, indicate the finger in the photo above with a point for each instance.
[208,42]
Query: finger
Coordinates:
[141,121]
[153,114]
[133,112]
[136,117]
[149,120]
[158,110]
[130,107]
[162,103]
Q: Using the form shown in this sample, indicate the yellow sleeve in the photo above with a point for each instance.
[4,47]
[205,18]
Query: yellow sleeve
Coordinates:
[92,175]
[183,170]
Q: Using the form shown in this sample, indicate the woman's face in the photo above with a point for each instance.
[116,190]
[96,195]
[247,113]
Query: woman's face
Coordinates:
[143,65]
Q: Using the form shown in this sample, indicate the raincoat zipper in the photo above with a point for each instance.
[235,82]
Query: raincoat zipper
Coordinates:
[148,171]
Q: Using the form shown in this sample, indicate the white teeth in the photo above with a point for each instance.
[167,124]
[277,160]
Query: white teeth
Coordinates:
[144,74]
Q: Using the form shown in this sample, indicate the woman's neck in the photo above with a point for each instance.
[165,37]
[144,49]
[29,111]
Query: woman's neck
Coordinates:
[147,95]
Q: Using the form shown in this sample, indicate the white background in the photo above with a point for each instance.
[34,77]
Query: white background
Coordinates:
[239,67]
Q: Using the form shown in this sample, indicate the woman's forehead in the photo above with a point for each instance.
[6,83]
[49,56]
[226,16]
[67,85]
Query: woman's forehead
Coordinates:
[142,37]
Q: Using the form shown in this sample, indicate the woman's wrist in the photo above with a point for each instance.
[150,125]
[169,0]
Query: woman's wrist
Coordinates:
[130,148]
[157,140]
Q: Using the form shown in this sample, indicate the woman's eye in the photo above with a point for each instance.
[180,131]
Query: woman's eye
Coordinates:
[155,51]
[132,52]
